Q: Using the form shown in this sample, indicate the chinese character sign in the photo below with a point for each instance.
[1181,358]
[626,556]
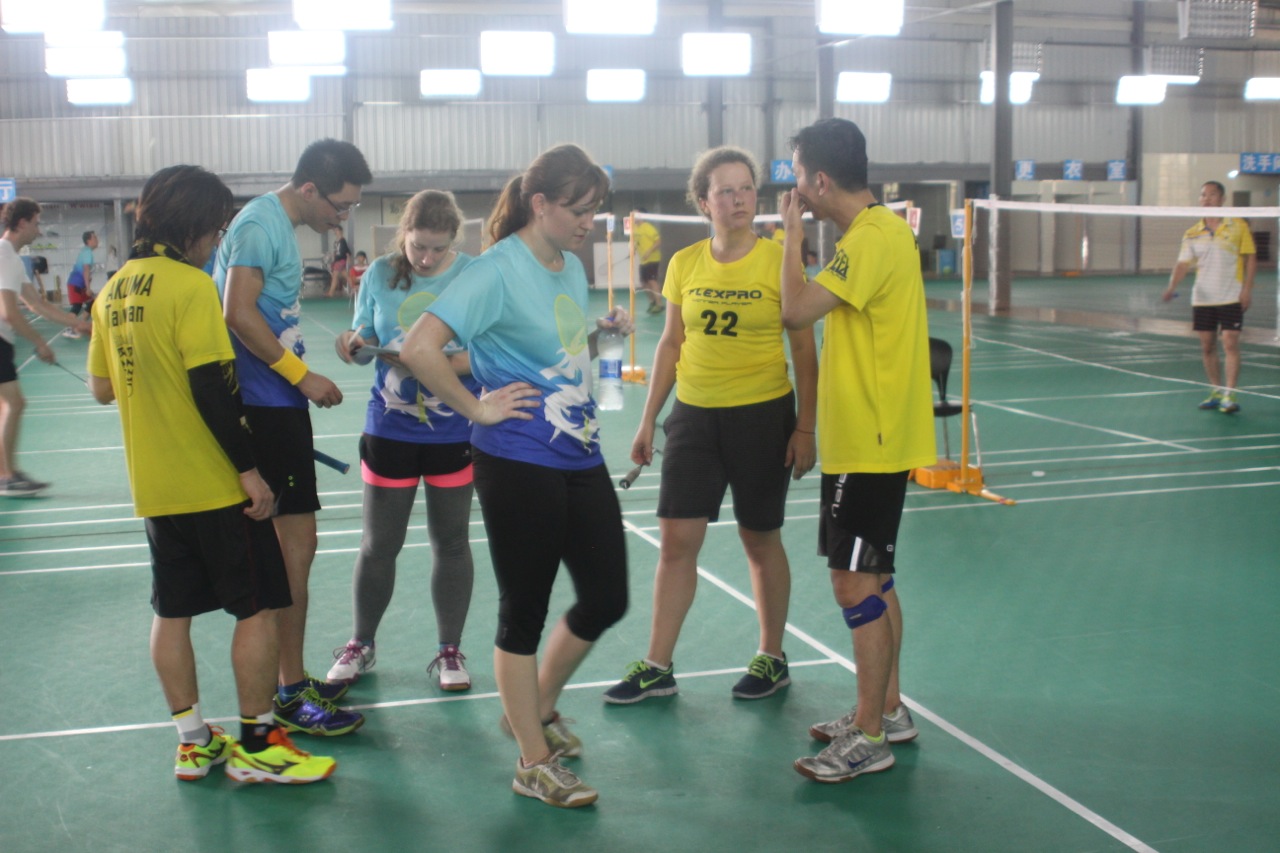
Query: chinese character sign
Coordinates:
[1073,170]
[1116,170]
[1024,170]
[780,172]
[1257,163]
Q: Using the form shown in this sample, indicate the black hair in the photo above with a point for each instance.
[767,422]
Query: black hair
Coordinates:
[330,164]
[179,205]
[836,147]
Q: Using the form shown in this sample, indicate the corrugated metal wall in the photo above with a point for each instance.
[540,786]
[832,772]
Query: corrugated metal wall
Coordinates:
[191,104]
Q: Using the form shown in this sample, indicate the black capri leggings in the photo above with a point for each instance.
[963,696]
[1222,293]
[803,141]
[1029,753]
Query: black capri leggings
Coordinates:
[535,518]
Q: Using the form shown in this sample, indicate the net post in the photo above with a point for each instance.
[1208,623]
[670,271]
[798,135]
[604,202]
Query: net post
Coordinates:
[631,372]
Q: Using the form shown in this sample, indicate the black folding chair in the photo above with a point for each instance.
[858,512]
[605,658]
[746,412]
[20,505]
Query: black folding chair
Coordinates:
[940,368]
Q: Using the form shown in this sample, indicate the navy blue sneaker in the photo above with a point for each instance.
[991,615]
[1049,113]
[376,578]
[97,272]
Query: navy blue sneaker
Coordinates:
[313,715]
[331,690]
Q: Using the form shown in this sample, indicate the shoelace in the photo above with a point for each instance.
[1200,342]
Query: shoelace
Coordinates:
[348,653]
[277,737]
[759,666]
[557,771]
[450,659]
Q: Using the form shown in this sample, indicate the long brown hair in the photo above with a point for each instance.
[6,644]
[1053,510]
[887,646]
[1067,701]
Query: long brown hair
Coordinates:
[434,210]
[562,173]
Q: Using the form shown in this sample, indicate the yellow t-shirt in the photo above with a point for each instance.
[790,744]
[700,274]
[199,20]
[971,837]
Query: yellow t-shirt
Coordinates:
[647,239]
[156,319]
[779,236]
[733,352]
[875,405]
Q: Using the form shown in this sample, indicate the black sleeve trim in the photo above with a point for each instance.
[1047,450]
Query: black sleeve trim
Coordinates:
[217,396]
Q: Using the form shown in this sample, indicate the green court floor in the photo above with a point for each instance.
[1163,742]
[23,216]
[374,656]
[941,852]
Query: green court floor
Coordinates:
[1092,669]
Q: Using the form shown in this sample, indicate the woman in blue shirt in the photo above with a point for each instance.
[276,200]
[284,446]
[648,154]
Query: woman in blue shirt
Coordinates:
[411,434]
[546,496]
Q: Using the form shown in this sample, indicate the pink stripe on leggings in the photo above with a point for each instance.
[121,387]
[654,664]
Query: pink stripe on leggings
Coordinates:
[450,481]
[386,482]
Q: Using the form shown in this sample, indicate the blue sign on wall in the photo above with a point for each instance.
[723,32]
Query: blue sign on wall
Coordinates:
[1073,170]
[1117,170]
[8,190]
[1024,170]
[1258,163]
[780,172]
[957,223]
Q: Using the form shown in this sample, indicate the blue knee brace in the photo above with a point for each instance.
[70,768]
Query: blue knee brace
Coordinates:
[864,612]
[887,585]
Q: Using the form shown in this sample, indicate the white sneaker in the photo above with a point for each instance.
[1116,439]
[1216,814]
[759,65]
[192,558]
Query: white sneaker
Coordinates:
[351,661]
[453,674]
[70,333]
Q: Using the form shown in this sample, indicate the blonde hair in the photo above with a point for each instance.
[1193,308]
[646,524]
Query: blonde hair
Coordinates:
[708,162]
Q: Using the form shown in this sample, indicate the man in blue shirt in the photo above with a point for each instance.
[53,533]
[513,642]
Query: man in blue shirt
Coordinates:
[259,274]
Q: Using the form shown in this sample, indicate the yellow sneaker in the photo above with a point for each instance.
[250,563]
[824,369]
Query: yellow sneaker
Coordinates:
[194,761]
[281,761]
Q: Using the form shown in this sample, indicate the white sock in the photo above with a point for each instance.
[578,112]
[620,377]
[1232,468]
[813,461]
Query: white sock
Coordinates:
[648,662]
[191,726]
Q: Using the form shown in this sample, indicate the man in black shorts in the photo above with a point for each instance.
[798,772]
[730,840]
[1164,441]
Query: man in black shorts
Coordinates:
[259,272]
[1223,253]
[875,422]
[161,350]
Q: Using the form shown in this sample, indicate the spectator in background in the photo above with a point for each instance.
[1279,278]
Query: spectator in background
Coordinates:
[20,220]
[80,282]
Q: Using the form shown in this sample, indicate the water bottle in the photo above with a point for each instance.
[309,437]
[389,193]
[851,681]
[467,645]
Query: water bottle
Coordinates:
[609,347]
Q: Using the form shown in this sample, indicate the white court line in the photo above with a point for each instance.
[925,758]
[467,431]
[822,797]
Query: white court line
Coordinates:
[400,703]
[1007,764]
[1104,430]
[1099,365]
[1004,487]
[1118,457]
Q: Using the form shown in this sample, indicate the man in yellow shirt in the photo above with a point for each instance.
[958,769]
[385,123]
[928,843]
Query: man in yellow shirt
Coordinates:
[649,255]
[875,422]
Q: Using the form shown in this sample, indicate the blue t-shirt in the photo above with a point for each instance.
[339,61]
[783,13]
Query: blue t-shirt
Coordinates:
[524,323]
[400,407]
[261,236]
[85,258]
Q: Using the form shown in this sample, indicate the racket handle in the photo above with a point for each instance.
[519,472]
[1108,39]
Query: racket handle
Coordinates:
[631,477]
[336,464]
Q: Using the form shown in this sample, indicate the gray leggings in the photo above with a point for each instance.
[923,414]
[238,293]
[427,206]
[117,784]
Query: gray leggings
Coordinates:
[386,521]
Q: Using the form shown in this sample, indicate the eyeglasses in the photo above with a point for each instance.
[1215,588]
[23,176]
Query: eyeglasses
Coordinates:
[344,209]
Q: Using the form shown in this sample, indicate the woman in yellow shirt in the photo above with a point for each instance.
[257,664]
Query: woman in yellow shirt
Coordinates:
[733,425]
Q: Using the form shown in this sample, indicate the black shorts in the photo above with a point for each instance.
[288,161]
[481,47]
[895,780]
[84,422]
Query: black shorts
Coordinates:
[8,367]
[221,558]
[743,448]
[1209,318]
[393,463]
[282,447]
[649,271]
[858,524]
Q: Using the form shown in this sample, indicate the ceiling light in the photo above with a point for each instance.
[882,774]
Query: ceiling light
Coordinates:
[615,84]
[860,17]
[84,54]
[1020,86]
[343,14]
[611,17]
[1140,90]
[100,91]
[514,53]
[41,16]
[277,85]
[715,54]
[307,47]
[449,82]
[1262,89]
[863,87]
